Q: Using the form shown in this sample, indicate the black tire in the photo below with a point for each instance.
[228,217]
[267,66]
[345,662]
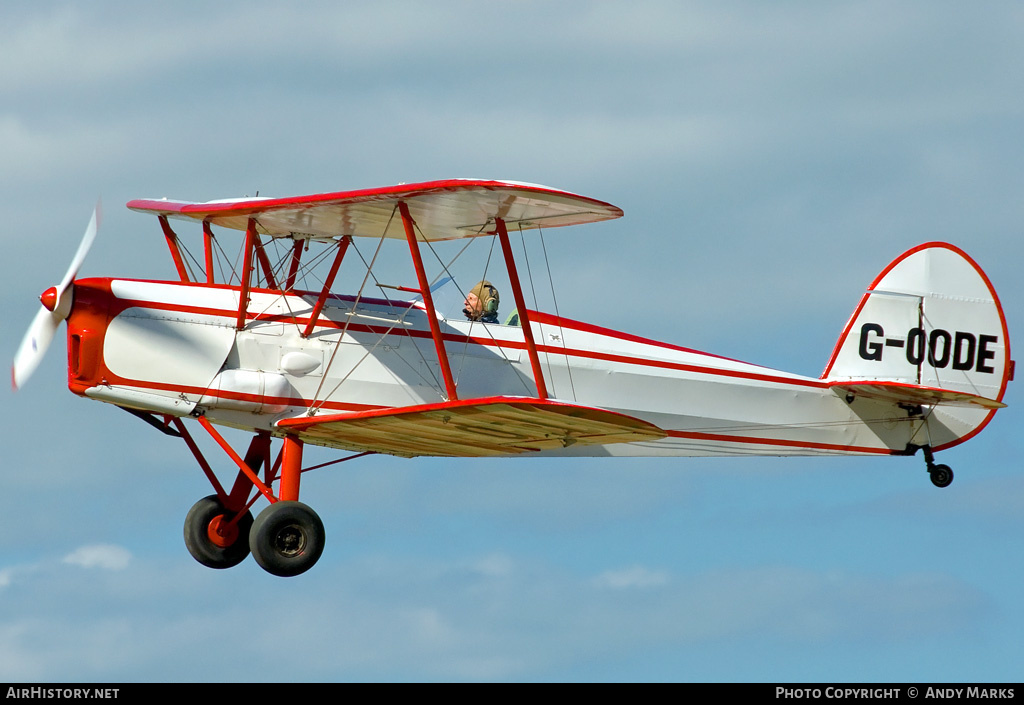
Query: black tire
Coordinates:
[941,475]
[287,539]
[199,522]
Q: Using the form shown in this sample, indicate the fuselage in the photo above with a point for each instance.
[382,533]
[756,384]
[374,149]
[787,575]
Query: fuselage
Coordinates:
[174,348]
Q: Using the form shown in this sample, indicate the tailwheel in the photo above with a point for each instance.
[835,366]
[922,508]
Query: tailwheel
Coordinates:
[287,538]
[941,475]
[212,535]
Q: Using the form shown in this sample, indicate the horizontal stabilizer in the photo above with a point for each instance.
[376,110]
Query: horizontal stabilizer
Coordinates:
[901,393]
[472,428]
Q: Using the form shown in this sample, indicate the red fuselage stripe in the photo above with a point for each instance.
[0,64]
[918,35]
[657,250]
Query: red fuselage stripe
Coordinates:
[488,342]
[723,438]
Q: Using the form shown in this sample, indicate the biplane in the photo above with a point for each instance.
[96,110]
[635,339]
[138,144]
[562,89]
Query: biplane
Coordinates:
[273,347]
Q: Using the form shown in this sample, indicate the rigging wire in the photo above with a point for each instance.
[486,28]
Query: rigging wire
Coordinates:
[223,259]
[391,305]
[561,332]
[303,270]
[490,334]
[307,269]
[314,407]
[215,260]
[235,274]
[536,303]
[280,267]
[191,273]
[444,269]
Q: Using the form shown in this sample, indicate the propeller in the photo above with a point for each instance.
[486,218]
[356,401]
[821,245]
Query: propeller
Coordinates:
[56,307]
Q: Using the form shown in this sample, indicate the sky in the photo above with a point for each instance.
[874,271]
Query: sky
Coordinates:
[771,159]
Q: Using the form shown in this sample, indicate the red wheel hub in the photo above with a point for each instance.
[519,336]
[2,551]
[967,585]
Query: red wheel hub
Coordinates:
[222,532]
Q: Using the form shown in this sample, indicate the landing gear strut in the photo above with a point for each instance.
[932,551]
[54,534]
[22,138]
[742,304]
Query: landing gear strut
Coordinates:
[286,539]
[941,475]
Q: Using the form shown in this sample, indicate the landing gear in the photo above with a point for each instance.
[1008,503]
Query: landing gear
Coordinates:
[214,537]
[287,539]
[941,475]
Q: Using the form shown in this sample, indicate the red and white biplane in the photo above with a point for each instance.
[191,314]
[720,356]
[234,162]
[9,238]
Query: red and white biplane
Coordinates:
[922,364]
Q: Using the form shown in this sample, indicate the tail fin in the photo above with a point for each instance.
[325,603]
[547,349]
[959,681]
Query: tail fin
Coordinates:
[929,330]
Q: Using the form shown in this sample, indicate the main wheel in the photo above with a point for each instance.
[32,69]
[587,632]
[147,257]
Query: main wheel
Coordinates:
[210,536]
[941,475]
[287,539]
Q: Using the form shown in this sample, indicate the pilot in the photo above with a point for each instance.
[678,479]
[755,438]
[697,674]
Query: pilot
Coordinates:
[481,303]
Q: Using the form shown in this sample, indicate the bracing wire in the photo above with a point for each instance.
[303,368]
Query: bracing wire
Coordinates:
[222,260]
[391,305]
[189,256]
[235,272]
[314,407]
[490,334]
[533,292]
[561,332]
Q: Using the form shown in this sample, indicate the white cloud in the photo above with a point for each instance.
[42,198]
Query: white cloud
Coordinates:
[634,577]
[496,565]
[106,556]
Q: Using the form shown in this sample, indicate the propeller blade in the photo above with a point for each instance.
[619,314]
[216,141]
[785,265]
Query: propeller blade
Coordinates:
[83,250]
[45,324]
[33,346]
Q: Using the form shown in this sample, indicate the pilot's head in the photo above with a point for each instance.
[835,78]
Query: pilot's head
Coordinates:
[481,303]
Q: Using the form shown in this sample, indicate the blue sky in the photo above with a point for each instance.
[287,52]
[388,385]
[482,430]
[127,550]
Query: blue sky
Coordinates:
[770,159]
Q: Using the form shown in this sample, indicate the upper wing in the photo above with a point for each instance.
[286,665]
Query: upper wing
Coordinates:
[473,428]
[443,210]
